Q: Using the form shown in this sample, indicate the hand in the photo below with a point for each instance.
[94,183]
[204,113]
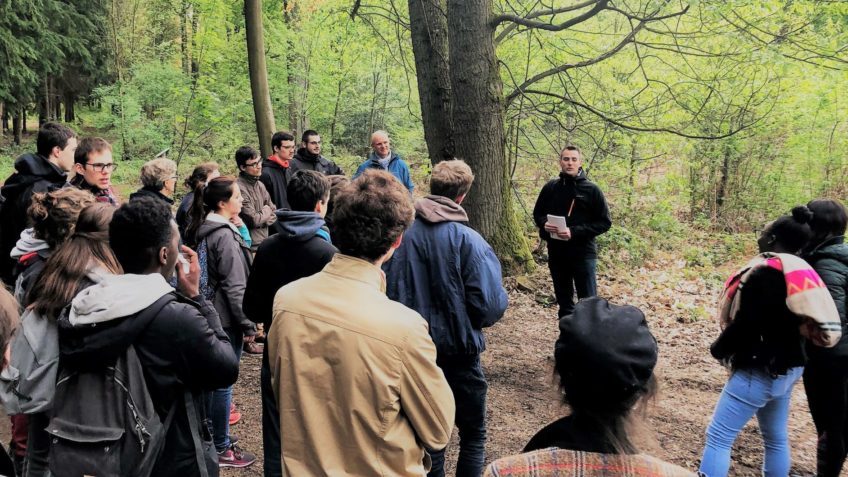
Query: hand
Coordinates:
[236,220]
[565,234]
[549,227]
[189,283]
[249,339]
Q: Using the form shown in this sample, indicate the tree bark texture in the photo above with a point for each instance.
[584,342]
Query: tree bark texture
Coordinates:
[262,110]
[16,125]
[70,113]
[429,28]
[478,123]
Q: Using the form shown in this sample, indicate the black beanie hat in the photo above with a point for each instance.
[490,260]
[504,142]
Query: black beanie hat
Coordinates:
[605,354]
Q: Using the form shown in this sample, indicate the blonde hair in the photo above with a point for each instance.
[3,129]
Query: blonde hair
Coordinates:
[154,173]
[451,179]
[54,214]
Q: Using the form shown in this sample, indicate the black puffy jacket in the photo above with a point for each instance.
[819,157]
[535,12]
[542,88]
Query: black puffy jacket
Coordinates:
[830,261]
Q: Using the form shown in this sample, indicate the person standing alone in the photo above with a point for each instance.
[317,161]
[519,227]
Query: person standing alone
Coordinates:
[572,252]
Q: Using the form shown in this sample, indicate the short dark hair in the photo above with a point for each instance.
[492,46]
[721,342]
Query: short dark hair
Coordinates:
[138,230]
[87,145]
[829,219]
[52,135]
[309,132]
[572,147]
[370,213]
[278,138]
[451,179]
[305,189]
[244,154]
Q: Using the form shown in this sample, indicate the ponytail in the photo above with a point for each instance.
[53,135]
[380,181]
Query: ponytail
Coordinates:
[196,214]
[206,199]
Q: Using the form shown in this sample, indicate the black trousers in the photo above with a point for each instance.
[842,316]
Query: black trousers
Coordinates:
[826,384]
[571,272]
[273,453]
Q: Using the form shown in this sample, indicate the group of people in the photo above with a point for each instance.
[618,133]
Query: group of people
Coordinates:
[373,307]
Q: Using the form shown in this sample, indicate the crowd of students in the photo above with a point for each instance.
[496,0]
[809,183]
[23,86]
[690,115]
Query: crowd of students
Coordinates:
[131,319]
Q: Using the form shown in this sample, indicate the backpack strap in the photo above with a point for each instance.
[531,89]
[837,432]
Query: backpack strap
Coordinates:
[194,426]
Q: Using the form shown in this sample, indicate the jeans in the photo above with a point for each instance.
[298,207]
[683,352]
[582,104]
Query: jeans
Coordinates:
[749,392]
[466,380]
[219,400]
[826,383]
[270,422]
[568,273]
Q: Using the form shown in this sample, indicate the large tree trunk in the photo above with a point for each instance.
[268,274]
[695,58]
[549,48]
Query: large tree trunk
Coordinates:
[184,37]
[195,54]
[478,121]
[262,110]
[16,125]
[70,113]
[295,75]
[429,28]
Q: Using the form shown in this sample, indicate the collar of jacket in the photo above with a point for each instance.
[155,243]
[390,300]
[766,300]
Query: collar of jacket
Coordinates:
[375,160]
[357,269]
[249,178]
[276,160]
[304,155]
[831,241]
[581,176]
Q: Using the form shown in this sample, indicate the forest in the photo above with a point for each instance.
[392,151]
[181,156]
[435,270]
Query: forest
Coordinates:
[701,120]
[696,116]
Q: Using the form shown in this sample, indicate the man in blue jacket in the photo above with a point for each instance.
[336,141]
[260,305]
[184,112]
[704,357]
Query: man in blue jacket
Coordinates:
[447,272]
[382,157]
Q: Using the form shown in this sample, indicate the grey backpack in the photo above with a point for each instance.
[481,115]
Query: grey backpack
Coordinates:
[28,384]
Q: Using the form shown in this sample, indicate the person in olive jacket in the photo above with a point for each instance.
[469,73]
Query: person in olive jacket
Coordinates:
[257,210]
[826,374]
[572,252]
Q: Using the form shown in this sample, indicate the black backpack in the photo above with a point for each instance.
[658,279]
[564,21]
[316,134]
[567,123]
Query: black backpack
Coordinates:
[103,420]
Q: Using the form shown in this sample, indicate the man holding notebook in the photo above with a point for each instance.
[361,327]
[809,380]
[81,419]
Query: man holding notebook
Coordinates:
[570,212]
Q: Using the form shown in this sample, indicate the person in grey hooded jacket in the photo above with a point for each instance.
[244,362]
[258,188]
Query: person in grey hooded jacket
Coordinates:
[181,348]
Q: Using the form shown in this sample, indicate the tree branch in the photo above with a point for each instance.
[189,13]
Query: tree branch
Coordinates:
[531,23]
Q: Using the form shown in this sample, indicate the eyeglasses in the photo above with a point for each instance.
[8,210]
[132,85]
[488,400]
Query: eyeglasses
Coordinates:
[253,164]
[101,167]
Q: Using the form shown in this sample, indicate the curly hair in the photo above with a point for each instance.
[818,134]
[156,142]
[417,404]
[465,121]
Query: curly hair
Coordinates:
[138,230]
[154,173]
[370,213]
[53,215]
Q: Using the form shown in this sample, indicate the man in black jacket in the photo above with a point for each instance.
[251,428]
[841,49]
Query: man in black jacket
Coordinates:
[182,347]
[572,252]
[40,172]
[309,156]
[275,172]
[300,248]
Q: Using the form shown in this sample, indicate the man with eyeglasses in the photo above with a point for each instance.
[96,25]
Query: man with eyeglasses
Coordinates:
[276,173]
[257,210]
[93,166]
[309,156]
[570,212]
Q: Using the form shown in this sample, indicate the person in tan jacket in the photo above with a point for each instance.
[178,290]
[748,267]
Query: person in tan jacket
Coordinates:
[355,374]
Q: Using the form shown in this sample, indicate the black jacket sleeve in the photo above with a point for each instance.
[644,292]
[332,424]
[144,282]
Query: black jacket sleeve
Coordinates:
[599,220]
[540,210]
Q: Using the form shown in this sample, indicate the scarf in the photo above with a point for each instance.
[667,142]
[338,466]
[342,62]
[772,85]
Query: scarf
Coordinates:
[806,296]
[279,162]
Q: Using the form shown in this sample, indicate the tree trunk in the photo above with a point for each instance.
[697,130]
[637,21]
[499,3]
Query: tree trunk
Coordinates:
[184,37]
[23,119]
[336,116]
[478,121]
[16,126]
[262,110]
[294,72]
[724,175]
[429,28]
[44,104]
[57,103]
[3,124]
[195,59]
[70,113]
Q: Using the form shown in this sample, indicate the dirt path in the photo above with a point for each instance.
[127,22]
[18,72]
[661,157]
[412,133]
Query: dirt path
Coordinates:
[522,391]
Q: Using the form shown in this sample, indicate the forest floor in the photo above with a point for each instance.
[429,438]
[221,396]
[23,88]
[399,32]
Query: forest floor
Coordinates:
[523,394]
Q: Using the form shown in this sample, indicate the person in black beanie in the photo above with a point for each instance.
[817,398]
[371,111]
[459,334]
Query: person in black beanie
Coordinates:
[605,358]
[309,157]
[572,253]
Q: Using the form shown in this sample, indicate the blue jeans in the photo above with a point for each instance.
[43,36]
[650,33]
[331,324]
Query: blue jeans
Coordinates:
[569,272]
[218,401]
[746,393]
[466,380]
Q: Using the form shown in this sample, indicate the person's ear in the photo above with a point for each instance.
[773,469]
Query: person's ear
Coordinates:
[78,168]
[163,256]
[56,151]
[397,242]
[460,199]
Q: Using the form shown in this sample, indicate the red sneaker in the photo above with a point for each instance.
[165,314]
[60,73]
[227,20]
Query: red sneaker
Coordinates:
[235,457]
[235,416]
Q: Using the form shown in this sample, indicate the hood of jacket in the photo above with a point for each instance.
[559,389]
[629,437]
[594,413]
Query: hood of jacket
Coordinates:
[210,225]
[298,225]
[304,155]
[372,156]
[580,177]
[28,244]
[29,166]
[833,248]
[436,209]
[148,191]
[115,296]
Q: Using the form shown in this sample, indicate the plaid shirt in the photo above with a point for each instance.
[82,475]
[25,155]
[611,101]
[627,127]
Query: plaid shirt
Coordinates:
[555,462]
